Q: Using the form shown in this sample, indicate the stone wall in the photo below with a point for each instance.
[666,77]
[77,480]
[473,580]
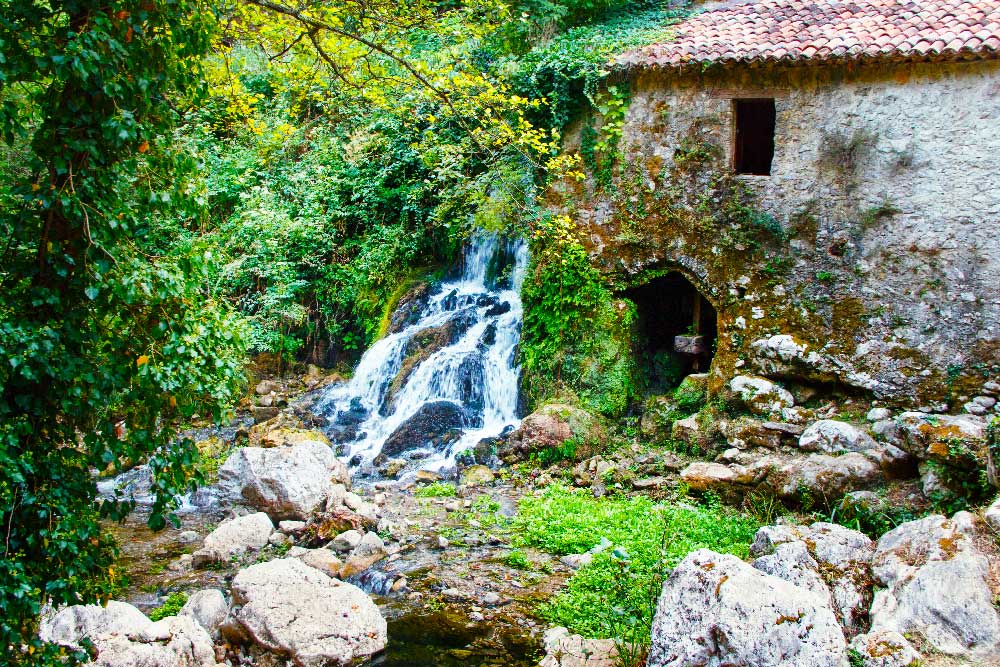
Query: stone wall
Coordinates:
[885,271]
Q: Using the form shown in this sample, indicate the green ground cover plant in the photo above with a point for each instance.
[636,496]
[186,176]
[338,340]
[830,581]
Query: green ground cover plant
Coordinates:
[615,595]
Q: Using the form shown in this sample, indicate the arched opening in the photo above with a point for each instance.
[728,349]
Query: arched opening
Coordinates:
[677,330]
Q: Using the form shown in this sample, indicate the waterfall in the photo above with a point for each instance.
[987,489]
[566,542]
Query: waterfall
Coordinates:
[447,377]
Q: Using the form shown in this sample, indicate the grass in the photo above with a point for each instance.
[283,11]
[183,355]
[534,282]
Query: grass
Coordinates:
[615,595]
[436,490]
[171,606]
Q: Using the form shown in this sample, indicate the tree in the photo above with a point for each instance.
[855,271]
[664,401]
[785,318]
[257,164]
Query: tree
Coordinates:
[104,346]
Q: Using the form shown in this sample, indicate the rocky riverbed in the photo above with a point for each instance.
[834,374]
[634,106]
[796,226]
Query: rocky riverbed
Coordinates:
[286,559]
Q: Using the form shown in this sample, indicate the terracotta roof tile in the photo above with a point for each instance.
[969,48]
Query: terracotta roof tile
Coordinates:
[789,31]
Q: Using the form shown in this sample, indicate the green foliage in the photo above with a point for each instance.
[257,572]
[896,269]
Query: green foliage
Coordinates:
[436,490]
[874,520]
[565,451]
[106,341]
[517,560]
[616,593]
[575,337]
[568,70]
[170,607]
[690,396]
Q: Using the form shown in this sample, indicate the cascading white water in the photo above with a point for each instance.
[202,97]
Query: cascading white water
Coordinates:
[463,392]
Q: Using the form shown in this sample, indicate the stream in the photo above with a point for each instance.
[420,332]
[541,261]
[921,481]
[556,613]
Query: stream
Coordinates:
[444,379]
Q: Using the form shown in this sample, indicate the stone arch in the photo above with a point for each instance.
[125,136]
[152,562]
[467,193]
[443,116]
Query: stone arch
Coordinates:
[677,328]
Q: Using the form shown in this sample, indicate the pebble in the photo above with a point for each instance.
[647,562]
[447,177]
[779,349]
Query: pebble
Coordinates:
[491,599]
[442,543]
[188,536]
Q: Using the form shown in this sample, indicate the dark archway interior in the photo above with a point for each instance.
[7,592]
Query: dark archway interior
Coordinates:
[669,307]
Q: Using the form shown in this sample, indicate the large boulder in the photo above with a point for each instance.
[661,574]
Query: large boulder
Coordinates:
[297,611]
[436,424]
[285,482]
[234,538]
[838,557]
[717,610]
[124,637]
[760,395]
[940,585]
[834,437]
[549,427]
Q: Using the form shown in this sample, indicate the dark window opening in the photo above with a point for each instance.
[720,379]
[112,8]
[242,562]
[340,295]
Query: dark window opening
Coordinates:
[754,148]
[677,330]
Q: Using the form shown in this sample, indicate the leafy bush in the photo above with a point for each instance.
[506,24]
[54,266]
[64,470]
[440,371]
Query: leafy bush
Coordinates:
[436,490]
[616,593]
[575,337]
[170,607]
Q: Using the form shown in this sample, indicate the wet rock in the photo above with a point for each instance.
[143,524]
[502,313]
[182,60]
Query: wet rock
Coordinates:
[208,608]
[393,467]
[761,396]
[499,309]
[285,482]
[937,583]
[263,414]
[471,388]
[476,475]
[410,305]
[295,610]
[427,477]
[435,424]
[834,437]
[563,649]
[124,637]
[885,649]
[422,346]
[549,427]
[717,610]
[234,538]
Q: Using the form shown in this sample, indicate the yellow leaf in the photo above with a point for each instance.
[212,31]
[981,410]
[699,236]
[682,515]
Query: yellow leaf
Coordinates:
[142,361]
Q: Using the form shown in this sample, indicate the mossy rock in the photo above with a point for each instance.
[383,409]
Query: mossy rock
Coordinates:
[550,427]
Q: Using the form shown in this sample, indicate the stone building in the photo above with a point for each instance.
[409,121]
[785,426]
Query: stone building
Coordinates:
[816,184]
